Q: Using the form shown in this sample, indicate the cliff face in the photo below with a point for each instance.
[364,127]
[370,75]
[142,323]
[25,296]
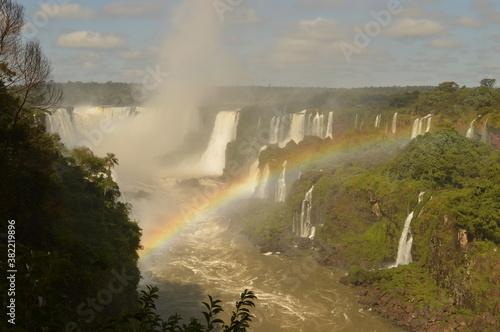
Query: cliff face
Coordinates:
[451,186]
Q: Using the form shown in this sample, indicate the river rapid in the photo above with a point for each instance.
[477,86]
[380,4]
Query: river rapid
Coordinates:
[294,292]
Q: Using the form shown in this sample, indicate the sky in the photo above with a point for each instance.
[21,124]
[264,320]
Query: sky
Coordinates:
[312,43]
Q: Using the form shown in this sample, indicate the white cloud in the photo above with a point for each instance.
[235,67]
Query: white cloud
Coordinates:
[469,22]
[132,54]
[88,56]
[243,16]
[89,65]
[415,28]
[134,9]
[73,11]
[445,43]
[90,40]
[309,42]
[492,66]
[320,29]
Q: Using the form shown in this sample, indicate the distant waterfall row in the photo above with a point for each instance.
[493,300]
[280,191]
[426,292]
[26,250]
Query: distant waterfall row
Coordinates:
[295,126]
[84,125]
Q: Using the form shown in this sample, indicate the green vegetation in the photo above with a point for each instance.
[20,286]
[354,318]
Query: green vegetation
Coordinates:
[362,199]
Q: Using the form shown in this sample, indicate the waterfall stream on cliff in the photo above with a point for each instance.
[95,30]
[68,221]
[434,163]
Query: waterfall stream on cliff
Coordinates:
[405,242]
[394,123]
[471,132]
[421,126]
[262,188]
[281,186]
[484,132]
[302,226]
[214,158]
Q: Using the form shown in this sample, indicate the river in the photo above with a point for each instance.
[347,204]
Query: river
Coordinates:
[294,292]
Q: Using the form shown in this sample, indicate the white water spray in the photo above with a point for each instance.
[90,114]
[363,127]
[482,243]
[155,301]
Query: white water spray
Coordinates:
[213,159]
[302,226]
[281,186]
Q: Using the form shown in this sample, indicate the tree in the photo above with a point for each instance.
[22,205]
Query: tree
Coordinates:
[11,23]
[448,87]
[24,69]
[488,82]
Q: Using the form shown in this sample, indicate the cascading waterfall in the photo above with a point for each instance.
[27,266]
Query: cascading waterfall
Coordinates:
[394,122]
[405,242]
[281,186]
[214,158]
[428,125]
[59,121]
[274,130]
[253,172]
[297,130]
[261,190]
[296,126]
[420,197]
[85,124]
[377,120]
[421,126]
[317,125]
[471,132]
[329,126]
[356,122]
[309,122]
[302,226]
[484,133]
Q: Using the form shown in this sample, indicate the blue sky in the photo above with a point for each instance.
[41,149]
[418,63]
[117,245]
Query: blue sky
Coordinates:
[332,43]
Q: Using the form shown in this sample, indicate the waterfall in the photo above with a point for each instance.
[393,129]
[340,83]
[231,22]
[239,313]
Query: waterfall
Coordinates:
[214,158]
[406,240]
[470,132]
[421,126]
[405,243]
[356,122]
[86,125]
[59,121]
[377,121]
[261,190]
[273,131]
[316,125]
[329,126]
[281,186]
[428,126]
[394,122]
[414,130]
[420,197]
[302,227]
[253,173]
[297,130]
[284,132]
[484,133]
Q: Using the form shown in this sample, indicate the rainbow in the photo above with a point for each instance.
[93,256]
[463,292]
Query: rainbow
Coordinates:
[204,204]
